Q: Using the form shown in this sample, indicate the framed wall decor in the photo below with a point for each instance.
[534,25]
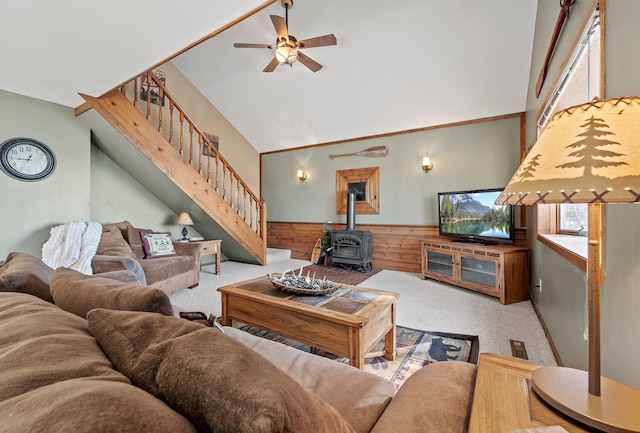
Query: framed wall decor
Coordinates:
[365,183]
[152,88]
[213,139]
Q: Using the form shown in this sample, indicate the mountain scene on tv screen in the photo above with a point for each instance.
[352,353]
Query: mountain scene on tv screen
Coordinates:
[474,215]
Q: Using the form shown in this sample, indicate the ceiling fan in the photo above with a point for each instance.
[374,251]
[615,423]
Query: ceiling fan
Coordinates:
[287,46]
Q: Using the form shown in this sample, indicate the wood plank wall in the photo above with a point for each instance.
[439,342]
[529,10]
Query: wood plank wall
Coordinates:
[394,247]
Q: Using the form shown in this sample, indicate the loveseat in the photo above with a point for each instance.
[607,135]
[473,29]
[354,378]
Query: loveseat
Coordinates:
[121,248]
[105,356]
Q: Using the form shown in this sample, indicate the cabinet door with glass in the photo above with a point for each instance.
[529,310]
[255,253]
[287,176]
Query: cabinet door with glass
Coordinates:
[440,263]
[481,273]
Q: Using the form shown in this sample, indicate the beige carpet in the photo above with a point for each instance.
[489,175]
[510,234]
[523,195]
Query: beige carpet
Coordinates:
[422,304]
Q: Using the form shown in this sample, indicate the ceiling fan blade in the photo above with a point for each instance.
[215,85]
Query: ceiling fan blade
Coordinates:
[272,65]
[241,45]
[309,62]
[320,41]
[280,25]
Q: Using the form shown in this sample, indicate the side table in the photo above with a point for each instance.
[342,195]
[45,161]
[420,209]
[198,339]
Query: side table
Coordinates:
[503,399]
[210,247]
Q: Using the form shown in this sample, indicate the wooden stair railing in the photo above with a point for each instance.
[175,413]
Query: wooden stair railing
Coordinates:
[225,196]
[199,150]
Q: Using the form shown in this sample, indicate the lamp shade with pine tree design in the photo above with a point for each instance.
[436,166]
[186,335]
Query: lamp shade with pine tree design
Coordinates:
[589,153]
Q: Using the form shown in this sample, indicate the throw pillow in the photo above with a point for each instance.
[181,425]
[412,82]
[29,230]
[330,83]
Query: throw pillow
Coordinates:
[135,240]
[78,293]
[216,382]
[24,273]
[113,243]
[157,244]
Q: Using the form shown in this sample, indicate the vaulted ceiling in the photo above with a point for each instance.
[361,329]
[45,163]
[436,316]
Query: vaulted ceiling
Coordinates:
[396,66]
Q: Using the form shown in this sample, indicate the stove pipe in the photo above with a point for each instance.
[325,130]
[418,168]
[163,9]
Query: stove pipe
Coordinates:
[351,211]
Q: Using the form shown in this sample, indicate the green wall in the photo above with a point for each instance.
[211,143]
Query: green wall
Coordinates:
[116,196]
[472,156]
[30,209]
[86,184]
[562,300]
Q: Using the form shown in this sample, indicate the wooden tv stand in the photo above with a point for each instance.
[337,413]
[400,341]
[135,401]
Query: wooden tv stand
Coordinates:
[496,270]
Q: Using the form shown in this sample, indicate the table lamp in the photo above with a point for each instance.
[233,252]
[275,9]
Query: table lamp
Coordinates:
[184,220]
[589,153]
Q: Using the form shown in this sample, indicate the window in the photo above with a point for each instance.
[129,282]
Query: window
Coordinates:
[572,219]
[579,82]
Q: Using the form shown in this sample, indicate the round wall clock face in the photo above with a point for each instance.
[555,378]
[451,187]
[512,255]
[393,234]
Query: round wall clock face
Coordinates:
[26,159]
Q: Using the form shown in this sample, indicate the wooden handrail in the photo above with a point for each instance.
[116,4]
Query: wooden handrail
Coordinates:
[211,147]
[226,182]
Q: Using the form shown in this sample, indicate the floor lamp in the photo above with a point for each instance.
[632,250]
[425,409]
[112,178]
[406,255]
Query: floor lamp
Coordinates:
[587,154]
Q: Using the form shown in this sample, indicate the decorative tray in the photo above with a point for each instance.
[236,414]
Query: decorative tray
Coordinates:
[302,285]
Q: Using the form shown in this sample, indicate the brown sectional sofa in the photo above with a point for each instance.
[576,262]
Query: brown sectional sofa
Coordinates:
[84,362]
[121,248]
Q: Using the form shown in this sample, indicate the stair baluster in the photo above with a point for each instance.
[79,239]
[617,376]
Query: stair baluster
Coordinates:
[221,177]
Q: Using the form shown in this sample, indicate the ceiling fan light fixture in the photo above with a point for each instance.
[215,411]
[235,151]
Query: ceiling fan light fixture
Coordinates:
[286,46]
[286,54]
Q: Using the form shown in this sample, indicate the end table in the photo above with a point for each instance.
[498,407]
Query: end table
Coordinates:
[210,247]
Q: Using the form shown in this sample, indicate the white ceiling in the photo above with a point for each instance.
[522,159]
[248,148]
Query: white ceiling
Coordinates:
[397,65]
[55,49]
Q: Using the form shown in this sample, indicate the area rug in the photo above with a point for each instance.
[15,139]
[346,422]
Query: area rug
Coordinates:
[340,274]
[415,349]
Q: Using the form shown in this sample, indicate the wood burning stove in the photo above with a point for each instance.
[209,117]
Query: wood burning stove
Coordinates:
[351,247]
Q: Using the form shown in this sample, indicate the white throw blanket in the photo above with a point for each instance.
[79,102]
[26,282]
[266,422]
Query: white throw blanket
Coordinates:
[72,245]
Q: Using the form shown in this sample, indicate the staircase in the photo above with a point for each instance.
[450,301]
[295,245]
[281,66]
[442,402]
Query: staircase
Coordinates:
[168,138]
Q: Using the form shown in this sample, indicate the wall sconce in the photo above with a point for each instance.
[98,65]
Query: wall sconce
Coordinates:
[426,163]
[302,176]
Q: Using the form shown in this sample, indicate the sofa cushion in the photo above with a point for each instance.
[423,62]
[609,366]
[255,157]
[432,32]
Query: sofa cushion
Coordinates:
[157,245]
[55,378]
[113,242]
[163,268]
[40,344]
[216,382]
[368,394]
[90,406]
[26,274]
[78,293]
[125,276]
[444,391]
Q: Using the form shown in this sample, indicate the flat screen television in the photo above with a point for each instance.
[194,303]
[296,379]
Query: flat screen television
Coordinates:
[472,216]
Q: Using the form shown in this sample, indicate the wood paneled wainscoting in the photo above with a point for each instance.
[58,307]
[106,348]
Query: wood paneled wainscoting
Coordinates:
[394,247]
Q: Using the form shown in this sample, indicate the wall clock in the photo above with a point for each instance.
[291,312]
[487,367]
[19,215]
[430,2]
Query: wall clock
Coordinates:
[26,159]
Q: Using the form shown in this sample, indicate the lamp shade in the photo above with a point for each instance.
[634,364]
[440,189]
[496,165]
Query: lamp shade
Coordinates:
[184,219]
[589,153]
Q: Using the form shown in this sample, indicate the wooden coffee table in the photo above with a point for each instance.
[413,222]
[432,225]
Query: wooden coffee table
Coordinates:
[347,323]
